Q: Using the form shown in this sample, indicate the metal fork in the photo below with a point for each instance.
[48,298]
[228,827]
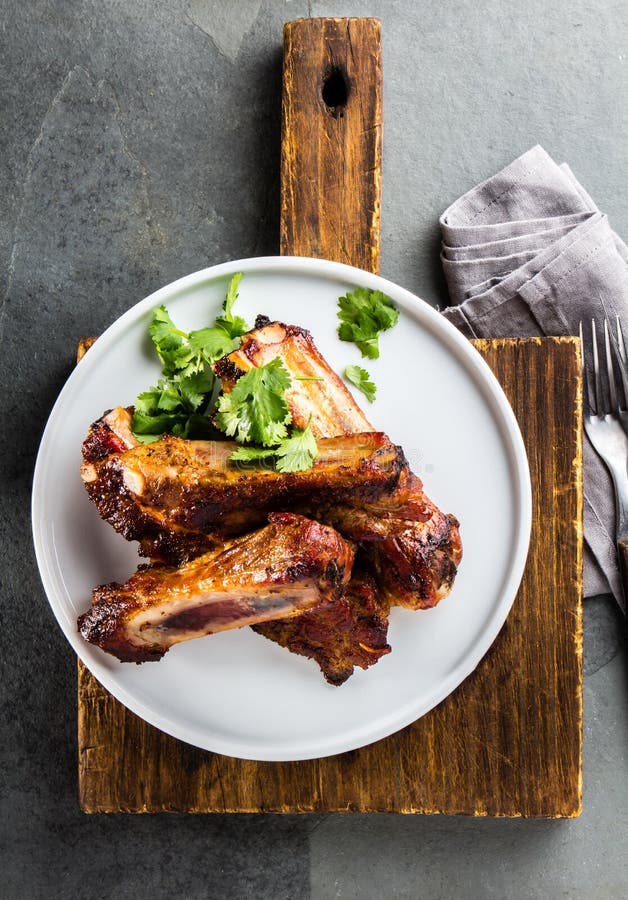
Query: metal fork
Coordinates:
[605,417]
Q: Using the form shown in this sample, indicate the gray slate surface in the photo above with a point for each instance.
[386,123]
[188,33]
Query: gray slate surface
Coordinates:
[139,142]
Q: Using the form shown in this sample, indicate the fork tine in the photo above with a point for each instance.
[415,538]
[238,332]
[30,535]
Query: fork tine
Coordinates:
[620,351]
[587,397]
[610,369]
[596,371]
[621,342]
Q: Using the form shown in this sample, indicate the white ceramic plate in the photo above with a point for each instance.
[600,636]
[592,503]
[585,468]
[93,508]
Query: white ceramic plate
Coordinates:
[237,693]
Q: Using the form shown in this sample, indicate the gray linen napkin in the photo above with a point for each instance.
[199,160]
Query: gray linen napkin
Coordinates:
[527,253]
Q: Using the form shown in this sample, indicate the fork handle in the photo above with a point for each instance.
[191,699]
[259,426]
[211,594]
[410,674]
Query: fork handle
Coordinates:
[622,554]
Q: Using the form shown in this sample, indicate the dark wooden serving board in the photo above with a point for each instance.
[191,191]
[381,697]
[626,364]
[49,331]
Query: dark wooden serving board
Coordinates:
[508,741]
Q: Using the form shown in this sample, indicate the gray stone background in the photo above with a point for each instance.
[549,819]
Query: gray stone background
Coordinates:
[140,141]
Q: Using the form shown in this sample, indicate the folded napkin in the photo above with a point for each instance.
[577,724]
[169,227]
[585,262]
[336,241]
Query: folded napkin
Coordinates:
[527,253]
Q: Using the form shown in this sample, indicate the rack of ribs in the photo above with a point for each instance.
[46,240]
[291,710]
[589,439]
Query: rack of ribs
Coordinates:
[290,566]
[185,502]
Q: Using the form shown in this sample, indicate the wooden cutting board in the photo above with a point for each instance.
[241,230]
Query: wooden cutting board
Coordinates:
[508,741]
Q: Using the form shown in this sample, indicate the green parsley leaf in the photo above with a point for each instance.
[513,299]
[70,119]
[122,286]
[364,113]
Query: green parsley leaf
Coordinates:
[364,314]
[293,454]
[298,452]
[194,389]
[168,340]
[232,295]
[146,438]
[163,331]
[211,343]
[195,426]
[234,326]
[155,424]
[255,410]
[362,380]
[148,401]
[252,454]
[175,405]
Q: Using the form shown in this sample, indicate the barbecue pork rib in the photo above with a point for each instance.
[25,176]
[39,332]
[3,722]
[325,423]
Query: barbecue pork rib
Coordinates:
[339,635]
[178,497]
[291,565]
[412,547]
[326,403]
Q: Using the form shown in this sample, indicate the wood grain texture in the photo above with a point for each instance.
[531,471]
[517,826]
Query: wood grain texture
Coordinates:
[83,346]
[508,742]
[331,154]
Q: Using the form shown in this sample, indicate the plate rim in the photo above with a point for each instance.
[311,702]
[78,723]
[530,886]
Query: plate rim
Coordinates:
[463,350]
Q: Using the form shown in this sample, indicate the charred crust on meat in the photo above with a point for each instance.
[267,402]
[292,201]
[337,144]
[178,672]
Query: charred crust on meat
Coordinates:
[227,370]
[175,548]
[303,569]
[100,625]
[333,573]
[115,503]
[118,506]
[289,330]
[416,568]
[101,442]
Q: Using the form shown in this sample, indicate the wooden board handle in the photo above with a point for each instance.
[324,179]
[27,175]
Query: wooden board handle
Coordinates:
[331,145]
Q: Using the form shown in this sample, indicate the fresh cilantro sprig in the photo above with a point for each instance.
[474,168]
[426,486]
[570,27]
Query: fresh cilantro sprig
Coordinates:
[362,380]
[364,314]
[298,452]
[186,353]
[256,412]
[173,406]
[235,326]
[178,403]
[255,409]
[293,454]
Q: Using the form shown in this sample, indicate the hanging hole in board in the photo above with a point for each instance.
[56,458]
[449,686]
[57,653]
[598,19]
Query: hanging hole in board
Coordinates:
[335,92]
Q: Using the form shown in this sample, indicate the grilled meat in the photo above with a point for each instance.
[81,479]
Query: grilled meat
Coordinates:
[291,578]
[338,635]
[177,497]
[327,403]
[112,433]
[291,565]
[412,547]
